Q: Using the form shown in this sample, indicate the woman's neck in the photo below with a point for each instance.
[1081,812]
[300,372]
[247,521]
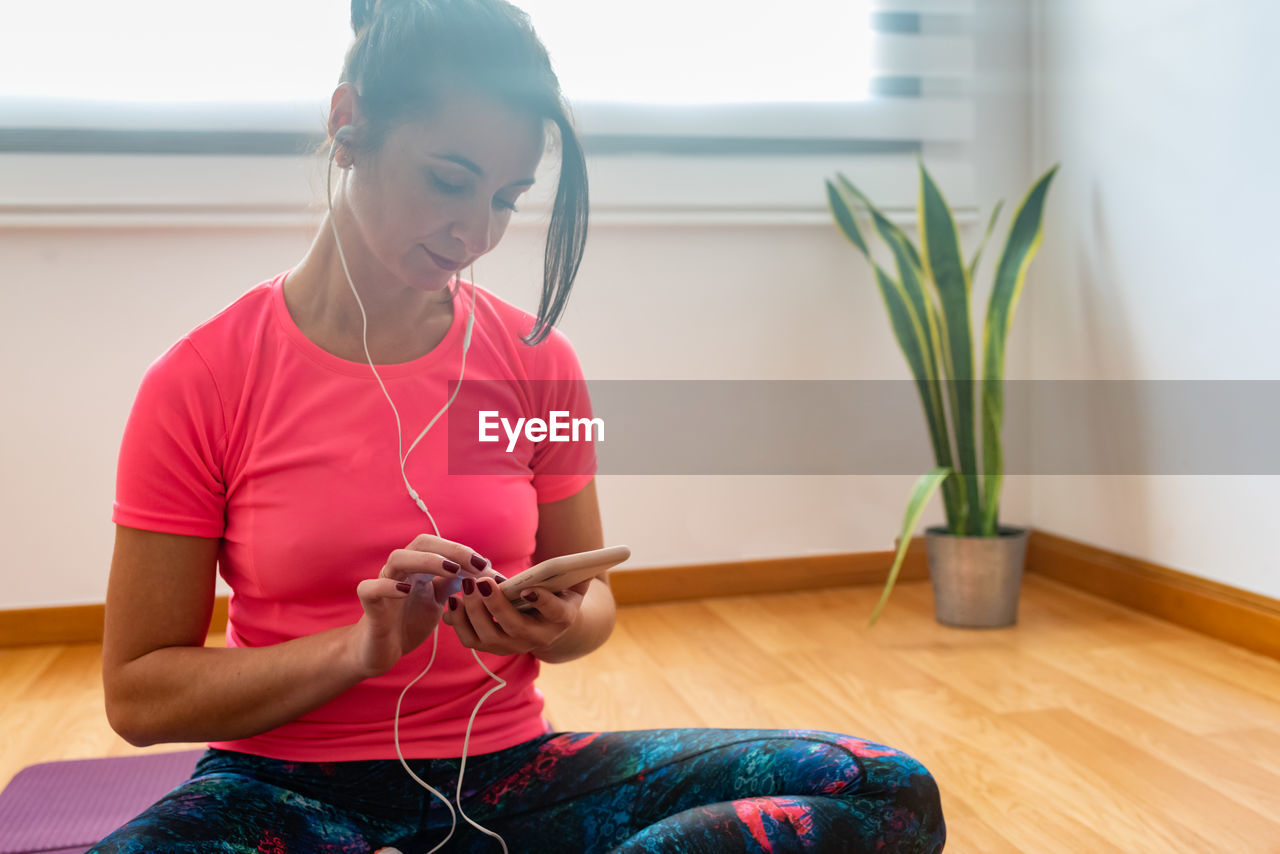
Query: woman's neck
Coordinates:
[403,324]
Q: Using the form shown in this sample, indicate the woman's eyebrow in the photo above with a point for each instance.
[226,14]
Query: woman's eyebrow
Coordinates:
[462,161]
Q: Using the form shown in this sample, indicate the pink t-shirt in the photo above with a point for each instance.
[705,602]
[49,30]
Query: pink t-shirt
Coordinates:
[247,431]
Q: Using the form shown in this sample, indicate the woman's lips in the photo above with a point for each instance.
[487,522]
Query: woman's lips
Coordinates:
[443,263]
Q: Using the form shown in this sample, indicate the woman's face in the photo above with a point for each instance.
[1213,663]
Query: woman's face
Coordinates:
[444,187]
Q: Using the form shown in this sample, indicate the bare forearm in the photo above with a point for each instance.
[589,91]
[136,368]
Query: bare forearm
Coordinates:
[183,694]
[589,631]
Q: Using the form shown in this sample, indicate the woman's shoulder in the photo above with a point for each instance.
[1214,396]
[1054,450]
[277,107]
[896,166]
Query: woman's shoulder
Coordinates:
[228,325]
[206,352]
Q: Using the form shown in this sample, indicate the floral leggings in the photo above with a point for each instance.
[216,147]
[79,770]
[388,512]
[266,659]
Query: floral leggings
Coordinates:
[676,791]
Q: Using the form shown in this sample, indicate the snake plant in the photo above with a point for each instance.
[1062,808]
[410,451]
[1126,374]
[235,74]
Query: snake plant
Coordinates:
[935,338]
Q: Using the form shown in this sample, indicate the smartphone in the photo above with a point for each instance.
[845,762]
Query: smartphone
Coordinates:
[561,573]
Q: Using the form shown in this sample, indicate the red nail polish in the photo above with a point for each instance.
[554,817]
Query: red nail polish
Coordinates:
[478,562]
[530,595]
[485,587]
[450,565]
[404,588]
[453,603]
[468,586]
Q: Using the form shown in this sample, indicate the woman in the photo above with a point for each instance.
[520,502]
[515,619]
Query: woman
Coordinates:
[261,445]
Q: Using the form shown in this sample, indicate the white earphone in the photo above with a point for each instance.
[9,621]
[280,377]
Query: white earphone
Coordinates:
[342,137]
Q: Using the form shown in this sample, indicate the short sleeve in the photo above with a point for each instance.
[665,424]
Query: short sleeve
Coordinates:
[562,468]
[169,473]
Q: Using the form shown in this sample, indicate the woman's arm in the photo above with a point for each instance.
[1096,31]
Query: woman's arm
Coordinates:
[565,527]
[163,685]
[596,617]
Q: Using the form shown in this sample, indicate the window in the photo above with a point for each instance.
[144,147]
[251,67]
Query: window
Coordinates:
[721,115]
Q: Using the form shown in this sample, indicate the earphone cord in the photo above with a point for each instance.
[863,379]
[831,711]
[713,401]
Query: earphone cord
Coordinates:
[435,635]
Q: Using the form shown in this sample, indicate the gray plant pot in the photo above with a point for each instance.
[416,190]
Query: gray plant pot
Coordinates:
[976,580]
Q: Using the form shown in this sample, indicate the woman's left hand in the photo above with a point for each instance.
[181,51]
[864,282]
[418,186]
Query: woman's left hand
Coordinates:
[494,625]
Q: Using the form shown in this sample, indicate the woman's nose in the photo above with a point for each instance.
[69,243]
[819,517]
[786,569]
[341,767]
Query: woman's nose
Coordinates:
[476,229]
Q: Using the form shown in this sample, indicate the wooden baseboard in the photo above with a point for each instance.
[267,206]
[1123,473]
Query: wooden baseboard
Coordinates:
[71,624]
[1226,613]
[83,623]
[770,575]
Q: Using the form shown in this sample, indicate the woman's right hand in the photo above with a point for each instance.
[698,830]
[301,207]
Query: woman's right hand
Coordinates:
[403,605]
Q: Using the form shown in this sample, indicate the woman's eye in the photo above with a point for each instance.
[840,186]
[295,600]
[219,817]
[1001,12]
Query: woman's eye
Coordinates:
[459,189]
[448,188]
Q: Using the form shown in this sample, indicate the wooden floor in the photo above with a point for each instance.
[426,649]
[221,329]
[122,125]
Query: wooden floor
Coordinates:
[1086,728]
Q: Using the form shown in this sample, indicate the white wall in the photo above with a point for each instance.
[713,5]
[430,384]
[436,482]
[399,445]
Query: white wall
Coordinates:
[1153,267]
[1156,261]
[86,310]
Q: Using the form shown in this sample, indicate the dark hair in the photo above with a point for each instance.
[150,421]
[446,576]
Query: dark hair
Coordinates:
[407,53]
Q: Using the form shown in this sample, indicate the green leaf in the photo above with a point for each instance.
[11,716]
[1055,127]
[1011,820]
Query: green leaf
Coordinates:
[1020,248]
[991,224]
[878,216]
[908,332]
[920,495]
[908,328]
[907,301]
[945,267]
[845,219]
[992,461]
[910,274]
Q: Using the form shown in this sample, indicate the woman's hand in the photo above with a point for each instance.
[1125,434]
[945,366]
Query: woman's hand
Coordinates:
[489,623]
[403,605]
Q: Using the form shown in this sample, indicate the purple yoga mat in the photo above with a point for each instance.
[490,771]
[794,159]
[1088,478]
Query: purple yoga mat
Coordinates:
[66,807]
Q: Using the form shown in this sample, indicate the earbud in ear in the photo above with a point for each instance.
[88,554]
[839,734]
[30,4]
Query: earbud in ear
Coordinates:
[341,137]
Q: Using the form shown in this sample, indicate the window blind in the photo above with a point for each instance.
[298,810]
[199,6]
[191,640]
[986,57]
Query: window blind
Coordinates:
[159,161]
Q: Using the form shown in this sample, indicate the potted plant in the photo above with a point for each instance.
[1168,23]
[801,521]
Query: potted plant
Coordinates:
[975,564]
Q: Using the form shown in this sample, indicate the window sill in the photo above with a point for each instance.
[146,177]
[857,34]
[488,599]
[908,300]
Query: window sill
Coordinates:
[40,190]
